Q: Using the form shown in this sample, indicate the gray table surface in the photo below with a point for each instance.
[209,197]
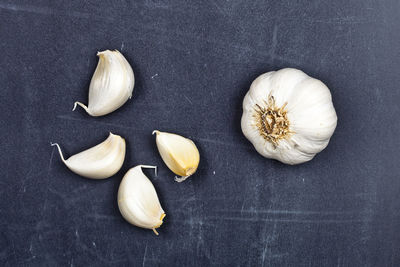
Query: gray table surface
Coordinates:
[194,61]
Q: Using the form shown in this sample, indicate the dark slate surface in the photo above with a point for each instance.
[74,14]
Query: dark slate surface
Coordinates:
[194,63]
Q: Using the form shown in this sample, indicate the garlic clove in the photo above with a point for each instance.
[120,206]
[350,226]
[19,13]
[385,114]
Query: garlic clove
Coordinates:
[180,154]
[111,85]
[138,201]
[99,162]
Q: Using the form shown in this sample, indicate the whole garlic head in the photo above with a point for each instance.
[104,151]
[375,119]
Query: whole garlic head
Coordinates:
[111,85]
[288,116]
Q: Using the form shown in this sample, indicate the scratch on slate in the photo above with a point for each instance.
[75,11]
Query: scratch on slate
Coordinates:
[274,42]
[153,5]
[226,12]
[242,209]
[53,12]
[47,187]
[63,117]
[41,10]
[199,236]
[190,199]
[240,47]
[264,253]
[76,233]
[341,20]
[285,220]
[13,248]
[144,256]
[268,240]
[69,118]
[67,197]
[101,216]
[87,66]
[50,161]
[80,15]
[218,142]
[155,75]
[31,9]
[187,98]
[220,9]
[326,54]
[338,262]
[80,189]
[296,212]
[27,177]
[122,46]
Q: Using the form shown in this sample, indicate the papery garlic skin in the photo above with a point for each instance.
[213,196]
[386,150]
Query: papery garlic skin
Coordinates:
[99,162]
[180,154]
[288,116]
[138,201]
[111,85]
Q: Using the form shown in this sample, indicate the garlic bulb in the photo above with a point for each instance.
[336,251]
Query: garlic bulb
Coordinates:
[288,116]
[111,85]
[138,201]
[179,154]
[99,162]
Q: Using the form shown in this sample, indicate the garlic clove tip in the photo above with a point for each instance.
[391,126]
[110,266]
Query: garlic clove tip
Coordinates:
[155,231]
[180,179]
[159,225]
[59,150]
[150,167]
[82,105]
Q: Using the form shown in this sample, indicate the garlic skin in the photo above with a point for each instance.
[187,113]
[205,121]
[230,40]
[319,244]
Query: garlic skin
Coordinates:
[99,162]
[288,116]
[138,201]
[180,154]
[111,85]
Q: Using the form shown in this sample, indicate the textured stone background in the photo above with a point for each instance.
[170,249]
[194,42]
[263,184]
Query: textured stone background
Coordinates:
[194,61]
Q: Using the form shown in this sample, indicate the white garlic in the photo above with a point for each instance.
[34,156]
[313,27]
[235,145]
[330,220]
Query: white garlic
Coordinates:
[180,154]
[138,201]
[99,162]
[111,85]
[288,116]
